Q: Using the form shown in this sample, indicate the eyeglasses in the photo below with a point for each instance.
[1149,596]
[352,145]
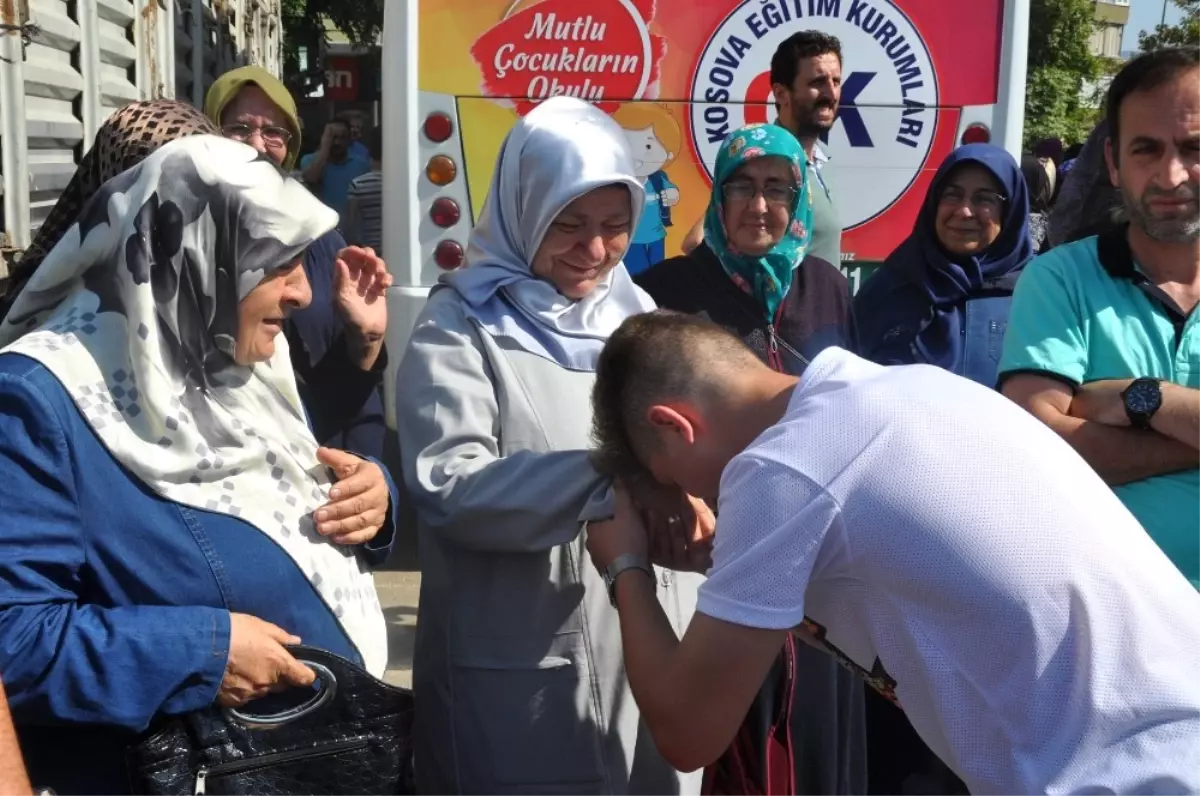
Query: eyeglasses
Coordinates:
[742,191]
[983,201]
[272,136]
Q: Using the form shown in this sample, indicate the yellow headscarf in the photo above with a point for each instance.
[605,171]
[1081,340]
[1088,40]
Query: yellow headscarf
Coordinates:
[229,84]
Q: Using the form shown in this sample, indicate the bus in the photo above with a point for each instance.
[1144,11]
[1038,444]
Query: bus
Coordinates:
[920,77]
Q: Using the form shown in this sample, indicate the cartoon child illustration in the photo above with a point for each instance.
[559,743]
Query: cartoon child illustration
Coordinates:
[655,137]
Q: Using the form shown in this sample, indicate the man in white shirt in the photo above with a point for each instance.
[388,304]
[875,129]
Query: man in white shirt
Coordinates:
[927,532]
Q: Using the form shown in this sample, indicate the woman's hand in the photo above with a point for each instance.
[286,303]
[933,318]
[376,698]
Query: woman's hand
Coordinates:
[682,540]
[258,662]
[360,282]
[359,500]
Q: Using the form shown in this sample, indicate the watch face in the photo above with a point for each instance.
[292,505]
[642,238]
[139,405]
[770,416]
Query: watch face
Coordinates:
[1143,397]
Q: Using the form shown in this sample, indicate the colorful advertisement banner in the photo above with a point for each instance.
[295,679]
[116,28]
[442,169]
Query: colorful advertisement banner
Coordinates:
[679,75]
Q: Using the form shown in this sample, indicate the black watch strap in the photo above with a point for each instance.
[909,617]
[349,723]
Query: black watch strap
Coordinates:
[1140,417]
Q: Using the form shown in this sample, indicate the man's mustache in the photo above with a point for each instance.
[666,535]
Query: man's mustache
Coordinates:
[1185,192]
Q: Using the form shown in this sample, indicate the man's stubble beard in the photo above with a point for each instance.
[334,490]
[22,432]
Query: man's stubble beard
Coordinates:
[809,129]
[1164,230]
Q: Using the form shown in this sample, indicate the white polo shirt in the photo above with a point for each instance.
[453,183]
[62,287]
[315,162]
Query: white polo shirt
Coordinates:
[960,554]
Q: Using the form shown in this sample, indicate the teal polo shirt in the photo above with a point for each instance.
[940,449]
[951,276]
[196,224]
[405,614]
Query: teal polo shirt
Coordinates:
[1084,312]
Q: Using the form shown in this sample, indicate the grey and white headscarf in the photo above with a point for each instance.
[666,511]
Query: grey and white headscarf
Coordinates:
[135,311]
[560,151]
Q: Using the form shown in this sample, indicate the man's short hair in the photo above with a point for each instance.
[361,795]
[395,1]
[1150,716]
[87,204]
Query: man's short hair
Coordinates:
[1145,73]
[654,358]
[342,120]
[785,63]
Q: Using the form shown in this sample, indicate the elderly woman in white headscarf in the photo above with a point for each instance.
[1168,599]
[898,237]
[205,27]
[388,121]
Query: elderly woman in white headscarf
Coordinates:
[518,653]
[167,526]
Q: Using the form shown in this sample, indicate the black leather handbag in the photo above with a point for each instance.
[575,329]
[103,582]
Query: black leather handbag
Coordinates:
[352,735]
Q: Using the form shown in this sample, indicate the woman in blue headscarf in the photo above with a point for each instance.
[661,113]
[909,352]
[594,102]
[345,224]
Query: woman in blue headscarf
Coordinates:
[942,296]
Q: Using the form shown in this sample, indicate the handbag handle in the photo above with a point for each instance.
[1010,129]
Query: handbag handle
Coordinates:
[274,721]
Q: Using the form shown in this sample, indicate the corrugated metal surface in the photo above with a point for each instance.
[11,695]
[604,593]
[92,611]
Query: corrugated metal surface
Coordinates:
[88,57]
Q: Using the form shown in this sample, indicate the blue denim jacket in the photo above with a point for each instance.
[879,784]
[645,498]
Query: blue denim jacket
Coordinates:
[115,602]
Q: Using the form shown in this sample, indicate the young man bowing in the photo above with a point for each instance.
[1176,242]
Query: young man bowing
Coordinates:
[1035,636]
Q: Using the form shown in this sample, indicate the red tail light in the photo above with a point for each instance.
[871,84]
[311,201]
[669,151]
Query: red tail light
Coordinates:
[438,127]
[448,255]
[976,134]
[445,212]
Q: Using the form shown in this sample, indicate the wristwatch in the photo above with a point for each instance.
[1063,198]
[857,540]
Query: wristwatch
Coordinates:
[1142,398]
[620,564]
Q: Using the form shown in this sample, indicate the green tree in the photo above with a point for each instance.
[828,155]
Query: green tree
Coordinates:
[304,26]
[1061,67]
[1184,34]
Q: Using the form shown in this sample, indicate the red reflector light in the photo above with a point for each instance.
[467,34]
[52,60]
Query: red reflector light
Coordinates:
[444,212]
[438,127]
[448,255]
[976,134]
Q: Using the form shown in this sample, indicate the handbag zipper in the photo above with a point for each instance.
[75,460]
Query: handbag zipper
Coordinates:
[251,763]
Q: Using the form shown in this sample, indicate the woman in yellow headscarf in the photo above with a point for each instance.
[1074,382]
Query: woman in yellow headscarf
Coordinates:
[337,342]
[231,84]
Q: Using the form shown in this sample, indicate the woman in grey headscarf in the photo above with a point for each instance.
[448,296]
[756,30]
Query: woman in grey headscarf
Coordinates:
[518,653]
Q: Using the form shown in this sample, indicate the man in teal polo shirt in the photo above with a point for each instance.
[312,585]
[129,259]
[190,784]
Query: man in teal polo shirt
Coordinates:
[1103,341]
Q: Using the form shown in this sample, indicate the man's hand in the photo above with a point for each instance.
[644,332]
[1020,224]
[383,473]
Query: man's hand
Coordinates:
[258,662]
[360,282]
[359,500]
[624,533]
[1101,402]
[669,197]
[327,139]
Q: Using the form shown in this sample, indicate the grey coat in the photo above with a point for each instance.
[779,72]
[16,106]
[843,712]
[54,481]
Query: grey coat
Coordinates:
[518,670]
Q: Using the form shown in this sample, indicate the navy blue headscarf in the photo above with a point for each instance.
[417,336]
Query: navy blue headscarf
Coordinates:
[921,278]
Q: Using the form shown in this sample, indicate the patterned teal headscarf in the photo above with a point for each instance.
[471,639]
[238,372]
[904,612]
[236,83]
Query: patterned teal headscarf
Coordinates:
[767,277]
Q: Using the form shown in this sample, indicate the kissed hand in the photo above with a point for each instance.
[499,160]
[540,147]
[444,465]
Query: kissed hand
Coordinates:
[624,533]
[682,540]
[1101,402]
[358,501]
[360,282]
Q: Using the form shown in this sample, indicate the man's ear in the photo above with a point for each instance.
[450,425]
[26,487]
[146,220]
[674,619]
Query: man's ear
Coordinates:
[781,93]
[678,419]
[1110,161]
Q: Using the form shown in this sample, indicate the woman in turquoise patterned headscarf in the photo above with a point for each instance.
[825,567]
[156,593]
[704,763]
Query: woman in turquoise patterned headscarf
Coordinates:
[757,260]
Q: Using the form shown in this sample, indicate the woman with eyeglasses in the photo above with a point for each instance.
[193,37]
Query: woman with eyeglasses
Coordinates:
[753,275]
[336,342]
[942,296]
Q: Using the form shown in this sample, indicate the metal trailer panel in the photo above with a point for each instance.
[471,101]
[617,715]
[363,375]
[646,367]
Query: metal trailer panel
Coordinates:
[83,59]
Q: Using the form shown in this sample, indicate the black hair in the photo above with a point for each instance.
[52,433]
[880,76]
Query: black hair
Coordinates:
[785,63]
[375,143]
[342,120]
[1145,73]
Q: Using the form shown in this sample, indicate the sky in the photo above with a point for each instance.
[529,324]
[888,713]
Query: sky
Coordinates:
[1144,15]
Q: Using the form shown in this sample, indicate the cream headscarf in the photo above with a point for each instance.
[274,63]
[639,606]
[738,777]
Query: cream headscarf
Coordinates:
[135,311]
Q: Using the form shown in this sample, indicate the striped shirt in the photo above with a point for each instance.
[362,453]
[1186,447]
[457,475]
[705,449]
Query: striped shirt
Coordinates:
[365,227]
